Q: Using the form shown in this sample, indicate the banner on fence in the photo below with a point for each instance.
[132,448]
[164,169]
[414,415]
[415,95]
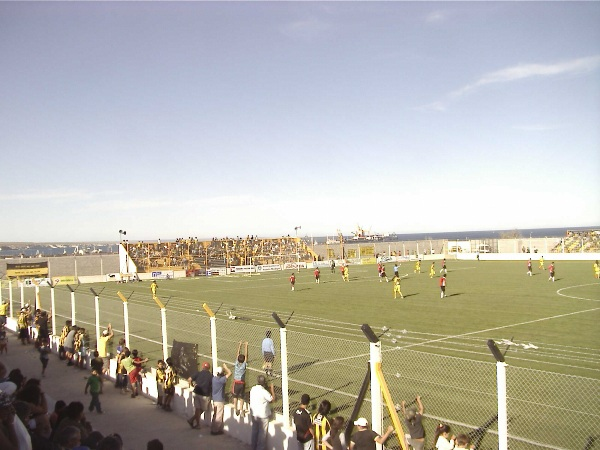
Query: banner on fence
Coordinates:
[26,269]
[163,275]
[216,271]
[184,355]
[268,267]
[243,269]
[292,266]
[32,282]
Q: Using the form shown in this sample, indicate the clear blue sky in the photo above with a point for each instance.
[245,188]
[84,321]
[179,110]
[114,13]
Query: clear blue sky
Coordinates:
[220,119]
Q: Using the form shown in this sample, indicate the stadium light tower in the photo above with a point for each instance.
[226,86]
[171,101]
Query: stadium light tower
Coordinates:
[297,247]
[121,234]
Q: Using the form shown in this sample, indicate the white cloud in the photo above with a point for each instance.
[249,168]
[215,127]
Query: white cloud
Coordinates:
[307,29]
[516,73]
[524,71]
[45,195]
[436,16]
[534,127]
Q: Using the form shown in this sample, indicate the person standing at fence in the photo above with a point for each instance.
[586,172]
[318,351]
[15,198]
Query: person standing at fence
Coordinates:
[171,380]
[304,429]
[365,439]
[293,280]
[218,398]
[161,377]
[260,411]
[268,351]
[551,272]
[413,420]
[442,437]
[321,424]
[462,441]
[202,383]
[443,286]
[239,379]
[23,325]
[336,437]
[3,309]
[102,347]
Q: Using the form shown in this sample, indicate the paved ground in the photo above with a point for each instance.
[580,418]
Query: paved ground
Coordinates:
[136,420]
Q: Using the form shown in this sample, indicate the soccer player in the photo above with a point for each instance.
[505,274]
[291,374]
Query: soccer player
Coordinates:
[529,267]
[396,269]
[432,270]
[293,280]
[443,269]
[418,266]
[345,276]
[551,272]
[541,266]
[443,286]
[383,274]
[153,288]
[379,271]
[317,275]
[596,270]
[397,290]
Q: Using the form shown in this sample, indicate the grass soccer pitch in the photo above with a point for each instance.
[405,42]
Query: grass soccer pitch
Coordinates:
[431,346]
[484,300]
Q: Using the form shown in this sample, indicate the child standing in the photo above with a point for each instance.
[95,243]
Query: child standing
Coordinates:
[161,377]
[44,355]
[172,379]
[3,340]
[442,438]
[94,384]
[238,387]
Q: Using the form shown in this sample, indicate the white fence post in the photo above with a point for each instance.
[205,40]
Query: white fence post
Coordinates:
[376,397]
[285,394]
[97,310]
[502,410]
[53,306]
[72,305]
[10,298]
[125,317]
[163,320]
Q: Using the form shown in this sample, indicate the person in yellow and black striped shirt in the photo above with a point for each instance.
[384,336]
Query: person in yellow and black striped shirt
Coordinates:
[321,424]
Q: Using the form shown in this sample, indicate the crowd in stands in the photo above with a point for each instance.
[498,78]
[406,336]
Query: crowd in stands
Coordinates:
[186,253]
[586,241]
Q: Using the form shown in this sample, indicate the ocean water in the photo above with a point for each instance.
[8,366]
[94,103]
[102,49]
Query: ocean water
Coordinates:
[33,250]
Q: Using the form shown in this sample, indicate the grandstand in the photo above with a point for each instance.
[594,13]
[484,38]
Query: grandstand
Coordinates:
[192,254]
[583,241]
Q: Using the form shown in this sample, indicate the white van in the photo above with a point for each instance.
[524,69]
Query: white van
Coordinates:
[483,248]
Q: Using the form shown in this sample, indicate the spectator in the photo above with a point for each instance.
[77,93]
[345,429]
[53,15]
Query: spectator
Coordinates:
[218,398]
[154,444]
[442,438]
[305,434]
[45,351]
[202,383]
[412,419]
[365,439]
[260,411]
[59,407]
[239,379]
[73,416]
[171,380]
[97,363]
[336,437]
[102,347]
[13,433]
[321,424]
[94,384]
[161,377]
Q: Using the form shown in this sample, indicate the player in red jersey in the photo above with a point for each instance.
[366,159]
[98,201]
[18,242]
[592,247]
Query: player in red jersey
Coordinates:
[293,280]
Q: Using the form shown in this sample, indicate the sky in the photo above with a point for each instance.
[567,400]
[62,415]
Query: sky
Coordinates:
[214,119]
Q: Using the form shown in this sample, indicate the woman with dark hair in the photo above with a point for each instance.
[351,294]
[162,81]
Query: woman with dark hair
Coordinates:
[321,424]
[335,439]
[442,438]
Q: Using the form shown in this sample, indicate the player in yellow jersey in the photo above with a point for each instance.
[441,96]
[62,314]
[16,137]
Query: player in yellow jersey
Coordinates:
[396,281]
[596,270]
[541,266]
[418,266]
[345,275]
[432,270]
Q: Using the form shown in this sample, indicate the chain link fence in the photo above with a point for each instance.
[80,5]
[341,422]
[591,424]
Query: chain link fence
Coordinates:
[545,409]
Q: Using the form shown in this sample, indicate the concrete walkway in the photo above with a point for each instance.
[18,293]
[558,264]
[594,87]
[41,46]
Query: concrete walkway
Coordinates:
[136,420]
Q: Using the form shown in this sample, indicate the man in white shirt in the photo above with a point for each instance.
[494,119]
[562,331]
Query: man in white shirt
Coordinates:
[260,411]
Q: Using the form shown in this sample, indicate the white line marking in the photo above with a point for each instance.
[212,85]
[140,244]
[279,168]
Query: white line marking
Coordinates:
[578,298]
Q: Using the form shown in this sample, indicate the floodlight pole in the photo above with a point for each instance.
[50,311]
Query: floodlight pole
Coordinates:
[37,298]
[297,247]
[376,397]
[22,295]
[501,386]
[284,370]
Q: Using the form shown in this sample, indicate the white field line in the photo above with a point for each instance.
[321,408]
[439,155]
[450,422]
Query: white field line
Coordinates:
[467,334]
[578,298]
